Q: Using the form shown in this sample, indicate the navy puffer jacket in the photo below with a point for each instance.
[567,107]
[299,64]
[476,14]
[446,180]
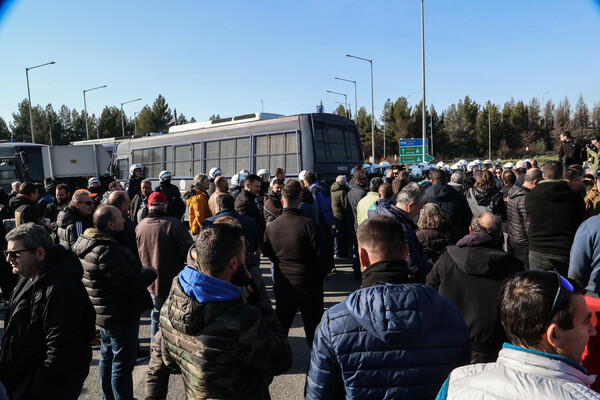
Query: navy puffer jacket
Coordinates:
[387,342]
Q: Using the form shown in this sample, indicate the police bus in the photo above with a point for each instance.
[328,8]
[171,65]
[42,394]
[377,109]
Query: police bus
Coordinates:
[324,143]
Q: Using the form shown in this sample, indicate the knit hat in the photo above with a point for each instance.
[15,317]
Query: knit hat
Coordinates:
[157,199]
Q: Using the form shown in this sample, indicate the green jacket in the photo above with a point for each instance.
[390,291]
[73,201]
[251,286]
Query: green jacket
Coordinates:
[224,349]
[593,158]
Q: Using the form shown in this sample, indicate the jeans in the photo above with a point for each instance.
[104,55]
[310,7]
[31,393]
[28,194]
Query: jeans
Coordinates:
[118,352]
[157,302]
[548,262]
[339,243]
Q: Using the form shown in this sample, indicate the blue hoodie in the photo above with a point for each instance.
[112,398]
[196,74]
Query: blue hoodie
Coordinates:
[206,289]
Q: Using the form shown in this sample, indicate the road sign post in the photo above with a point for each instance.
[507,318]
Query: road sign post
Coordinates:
[411,151]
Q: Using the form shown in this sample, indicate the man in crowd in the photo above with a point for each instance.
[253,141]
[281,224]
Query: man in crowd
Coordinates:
[518,221]
[60,203]
[245,204]
[120,200]
[24,205]
[339,192]
[221,187]
[163,244]
[139,205]
[279,174]
[322,197]
[409,202]
[272,207]
[555,212]
[75,219]
[116,285]
[355,194]
[112,187]
[548,324]
[385,340]
[176,206]
[570,151]
[362,208]
[242,346]
[49,323]
[451,201]
[471,274]
[225,208]
[302,257]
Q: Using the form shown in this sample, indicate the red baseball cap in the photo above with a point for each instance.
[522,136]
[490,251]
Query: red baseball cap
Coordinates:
[157,199]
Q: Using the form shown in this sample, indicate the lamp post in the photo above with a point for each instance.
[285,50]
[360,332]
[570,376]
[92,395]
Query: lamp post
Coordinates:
[29,97]
[122,119]
[372,106]
[349,106]
[355,103]
[423,62]
[489,130]
[87,133]
[345,100]
[135,114]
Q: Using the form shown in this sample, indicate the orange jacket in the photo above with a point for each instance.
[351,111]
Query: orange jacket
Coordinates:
[198,210]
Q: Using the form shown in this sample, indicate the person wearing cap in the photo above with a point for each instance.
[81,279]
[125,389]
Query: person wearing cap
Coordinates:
[116,285]
[76,218]
[548,326]
[133,184]
[176,207]
[198,203]
[163,243]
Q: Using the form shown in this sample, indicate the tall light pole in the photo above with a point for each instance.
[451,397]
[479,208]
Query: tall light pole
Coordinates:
[423,57]
[349,106]
[87,133]
[122,119]
[345,99]
[489,130]
[372,106]
[29,97]
[355,103]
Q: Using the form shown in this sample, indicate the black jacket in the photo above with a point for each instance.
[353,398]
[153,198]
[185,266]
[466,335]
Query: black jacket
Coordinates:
[471,275]
[272,207]
[136,204]
[570,153]
[435,241]
[481,200]
[176,206]
[113,279]
[299,249]
[70,225]
[245,204]
[48,328]
[354,195]
[24,210]
[394,272]
[555,212]
[339,194]
[518,223]
[453,203]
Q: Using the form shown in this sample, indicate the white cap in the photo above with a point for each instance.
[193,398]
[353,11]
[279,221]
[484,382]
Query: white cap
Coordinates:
[385,164]
[463,163]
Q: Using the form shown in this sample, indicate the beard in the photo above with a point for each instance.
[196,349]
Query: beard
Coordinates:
[62,201]
[239,277]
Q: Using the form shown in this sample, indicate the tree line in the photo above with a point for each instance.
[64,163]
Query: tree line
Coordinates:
[461,131]
[65,125]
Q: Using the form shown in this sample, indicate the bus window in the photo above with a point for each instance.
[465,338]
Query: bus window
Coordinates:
[181,161]
[277,150]
[168,157]
[122,169]
[150,159]
[336,142]
[231,155]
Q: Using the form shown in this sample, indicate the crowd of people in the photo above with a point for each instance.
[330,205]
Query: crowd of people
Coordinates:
[478,280]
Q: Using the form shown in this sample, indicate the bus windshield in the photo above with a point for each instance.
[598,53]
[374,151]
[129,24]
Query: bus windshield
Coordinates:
[335,142]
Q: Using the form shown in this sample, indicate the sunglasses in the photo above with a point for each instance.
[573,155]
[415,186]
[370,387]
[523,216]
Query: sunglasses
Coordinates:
[565,289]
[14,253]
[89,203]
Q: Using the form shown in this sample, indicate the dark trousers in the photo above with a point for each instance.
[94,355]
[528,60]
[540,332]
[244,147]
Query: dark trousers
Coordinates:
[288,299]
[548,262]
[520,251]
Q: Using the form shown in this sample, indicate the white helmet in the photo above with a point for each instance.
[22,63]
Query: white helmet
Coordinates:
[134,167]
[488,162]
[473,165]
[416,172]
[262,172]
[238,179]
[214,172]
[508,165]
[164,176]
[375,168]
[301,174]
[441,164]
[445,168]
[93,182]
[455,167]
[244,172]
[463,163]
[385,164]
[424,166]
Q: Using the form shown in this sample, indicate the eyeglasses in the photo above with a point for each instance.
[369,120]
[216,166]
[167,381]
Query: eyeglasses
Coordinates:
[14,253]
[562,295]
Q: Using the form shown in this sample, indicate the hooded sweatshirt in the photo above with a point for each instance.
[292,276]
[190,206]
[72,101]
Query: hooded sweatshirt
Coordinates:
[471,275]
[453,203]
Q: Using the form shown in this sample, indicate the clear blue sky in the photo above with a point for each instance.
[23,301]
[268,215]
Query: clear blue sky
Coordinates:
[209,57]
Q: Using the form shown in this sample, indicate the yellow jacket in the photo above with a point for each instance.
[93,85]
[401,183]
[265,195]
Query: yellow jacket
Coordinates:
[198,210]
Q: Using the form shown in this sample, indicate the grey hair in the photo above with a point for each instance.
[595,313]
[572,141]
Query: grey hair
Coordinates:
[31,236]
[146,181]
[341,179]
[410,193]
[77,197]
[457,177]
[432,217]
[479,229]
[199,178]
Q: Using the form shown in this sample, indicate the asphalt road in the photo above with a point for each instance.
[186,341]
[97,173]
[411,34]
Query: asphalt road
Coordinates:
[288,386]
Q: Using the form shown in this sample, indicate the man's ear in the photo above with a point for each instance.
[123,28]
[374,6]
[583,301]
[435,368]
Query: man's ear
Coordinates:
[363,257]
[40,253]
[552,335]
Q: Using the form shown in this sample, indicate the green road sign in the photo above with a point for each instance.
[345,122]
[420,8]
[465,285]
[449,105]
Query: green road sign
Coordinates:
[415,159]
[412,150]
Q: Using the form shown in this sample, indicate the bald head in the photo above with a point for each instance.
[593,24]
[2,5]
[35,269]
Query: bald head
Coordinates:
[120,200]
[486,224]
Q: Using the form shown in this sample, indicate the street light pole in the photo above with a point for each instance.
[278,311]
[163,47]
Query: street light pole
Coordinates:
[87,133]
[122,119]
[355,103]
[135,114]
[29,97]
[423,57]
[489,130]
[345,100]
[372,107]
